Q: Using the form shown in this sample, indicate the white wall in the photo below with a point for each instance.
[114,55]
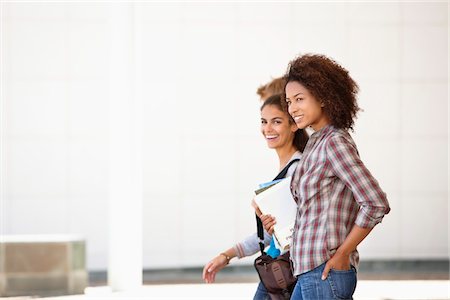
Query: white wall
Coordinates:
[203,154]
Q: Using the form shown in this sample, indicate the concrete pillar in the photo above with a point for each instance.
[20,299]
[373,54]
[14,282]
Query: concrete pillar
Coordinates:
[125,154]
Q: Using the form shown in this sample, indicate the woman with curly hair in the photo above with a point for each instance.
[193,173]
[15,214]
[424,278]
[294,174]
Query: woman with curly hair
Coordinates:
[339,201]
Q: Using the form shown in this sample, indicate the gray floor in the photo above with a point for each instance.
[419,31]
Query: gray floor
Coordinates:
[368,270]
[380,280]
[376,270]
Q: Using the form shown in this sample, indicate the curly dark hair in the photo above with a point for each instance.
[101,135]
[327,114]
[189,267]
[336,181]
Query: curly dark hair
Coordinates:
[330,84]
[300,137]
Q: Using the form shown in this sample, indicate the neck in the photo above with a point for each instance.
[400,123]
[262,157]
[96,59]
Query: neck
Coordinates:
[284,155]
[321,123]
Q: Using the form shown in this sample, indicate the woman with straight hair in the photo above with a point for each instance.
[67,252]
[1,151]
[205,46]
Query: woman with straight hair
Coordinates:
[282,135]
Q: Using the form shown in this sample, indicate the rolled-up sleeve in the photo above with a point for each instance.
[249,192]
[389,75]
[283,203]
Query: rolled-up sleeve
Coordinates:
[348,167]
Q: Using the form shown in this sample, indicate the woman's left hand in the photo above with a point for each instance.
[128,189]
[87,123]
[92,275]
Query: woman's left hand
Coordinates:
[339,261]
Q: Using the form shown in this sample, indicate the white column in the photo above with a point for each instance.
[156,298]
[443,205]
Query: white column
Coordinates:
[125,157]
[2,128]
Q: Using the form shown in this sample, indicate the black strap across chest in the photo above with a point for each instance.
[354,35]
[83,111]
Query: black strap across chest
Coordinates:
[259,225]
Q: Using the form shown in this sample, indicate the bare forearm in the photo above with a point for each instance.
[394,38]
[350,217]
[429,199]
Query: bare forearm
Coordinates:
[354,238]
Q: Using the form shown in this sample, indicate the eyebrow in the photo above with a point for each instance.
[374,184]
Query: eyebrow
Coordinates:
[287,98]
[279,118]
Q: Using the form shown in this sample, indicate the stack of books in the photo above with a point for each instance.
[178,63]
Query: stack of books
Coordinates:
[275,198]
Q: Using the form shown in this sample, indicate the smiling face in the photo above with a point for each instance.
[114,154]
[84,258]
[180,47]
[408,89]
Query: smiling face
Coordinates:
[304,108]
[276,127]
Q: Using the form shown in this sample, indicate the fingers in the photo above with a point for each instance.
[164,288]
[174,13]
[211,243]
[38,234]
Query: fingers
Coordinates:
[210,270]
[326,270]
[267,218]
[206,273]
[337,262]
[268,222]
[210,275]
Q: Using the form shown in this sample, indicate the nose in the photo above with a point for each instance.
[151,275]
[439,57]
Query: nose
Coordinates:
[266,128]
[292,109]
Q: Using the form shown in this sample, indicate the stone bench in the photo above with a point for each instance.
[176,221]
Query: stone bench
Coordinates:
[42,265]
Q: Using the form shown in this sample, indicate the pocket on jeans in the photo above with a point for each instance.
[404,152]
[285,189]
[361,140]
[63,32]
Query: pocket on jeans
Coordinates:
[343,283]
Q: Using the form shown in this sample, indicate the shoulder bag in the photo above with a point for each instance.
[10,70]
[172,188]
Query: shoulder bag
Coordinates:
[275,273]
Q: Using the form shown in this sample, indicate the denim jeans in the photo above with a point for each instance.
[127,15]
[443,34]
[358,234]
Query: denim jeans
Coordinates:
[261,293]
[338,285]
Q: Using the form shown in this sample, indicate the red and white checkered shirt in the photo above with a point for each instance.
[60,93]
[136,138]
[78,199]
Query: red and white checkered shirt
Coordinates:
[334,191]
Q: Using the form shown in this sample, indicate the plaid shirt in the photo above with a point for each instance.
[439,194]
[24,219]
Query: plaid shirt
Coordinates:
[334,191]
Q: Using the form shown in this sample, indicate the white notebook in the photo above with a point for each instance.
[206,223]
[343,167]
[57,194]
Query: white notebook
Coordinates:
[279,202]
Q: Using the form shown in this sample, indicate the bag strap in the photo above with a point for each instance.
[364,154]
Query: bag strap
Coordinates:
[259,226]
[283,172]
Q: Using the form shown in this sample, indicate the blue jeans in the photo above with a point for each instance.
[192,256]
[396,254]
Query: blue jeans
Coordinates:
[338,285]
[261,293]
